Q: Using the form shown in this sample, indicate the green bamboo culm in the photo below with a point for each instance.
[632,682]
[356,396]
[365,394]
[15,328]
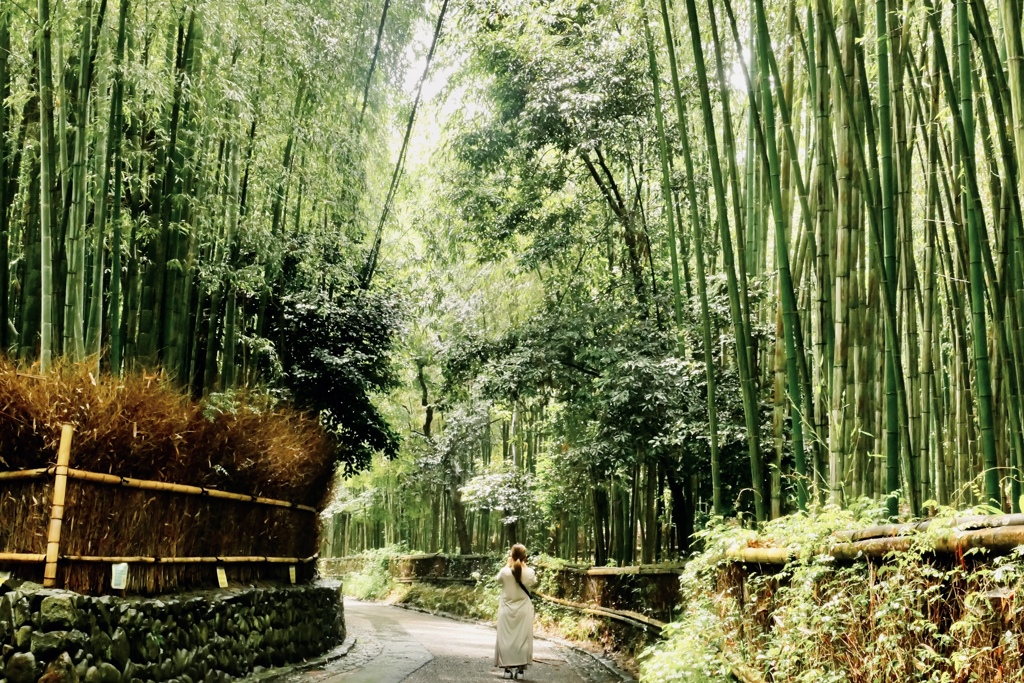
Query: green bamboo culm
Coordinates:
[698,242]
[750,406]
[870,187]
[5,172]
[74,289]
[46,174]
[789,310]
[1011,16]
[666,176]
[979,331]
[5,181]
[892,437]
[963,124]
[117,125]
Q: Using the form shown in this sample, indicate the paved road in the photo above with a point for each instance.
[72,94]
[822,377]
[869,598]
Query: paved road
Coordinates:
[394,645]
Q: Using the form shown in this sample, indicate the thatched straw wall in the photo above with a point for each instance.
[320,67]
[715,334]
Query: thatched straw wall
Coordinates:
[101,520]
[24,515]
[140,428]
[106,521]
[155,579]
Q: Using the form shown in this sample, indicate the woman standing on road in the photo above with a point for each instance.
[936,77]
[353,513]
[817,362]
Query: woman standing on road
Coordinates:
[514,649]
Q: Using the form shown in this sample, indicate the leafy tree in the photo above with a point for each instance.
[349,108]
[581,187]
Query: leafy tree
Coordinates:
[334,356]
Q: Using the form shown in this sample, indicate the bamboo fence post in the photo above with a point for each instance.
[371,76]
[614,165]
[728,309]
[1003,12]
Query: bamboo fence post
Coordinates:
[60,481]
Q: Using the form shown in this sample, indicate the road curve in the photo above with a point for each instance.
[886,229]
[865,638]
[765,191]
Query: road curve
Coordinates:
[394,645]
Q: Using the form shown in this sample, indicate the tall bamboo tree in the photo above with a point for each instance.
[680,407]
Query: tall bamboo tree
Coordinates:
[746,376]
[682,120]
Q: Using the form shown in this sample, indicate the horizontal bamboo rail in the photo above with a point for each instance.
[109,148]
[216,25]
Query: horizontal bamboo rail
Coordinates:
[762,555]
[966,523]
[22,557]
[756,556]
[645,569]
[38,473]
[141,559]
[632,618]
[430,556]
[1001,539]
[150,485]
[998,533]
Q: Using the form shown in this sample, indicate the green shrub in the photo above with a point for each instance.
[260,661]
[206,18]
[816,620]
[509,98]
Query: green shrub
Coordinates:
[373,581]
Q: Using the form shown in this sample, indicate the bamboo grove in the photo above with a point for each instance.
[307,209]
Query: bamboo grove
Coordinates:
[166,167]
[883,142]
[737,256]
[885,153]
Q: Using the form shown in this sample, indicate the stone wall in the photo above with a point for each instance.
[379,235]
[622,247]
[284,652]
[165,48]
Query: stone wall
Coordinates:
[207,637]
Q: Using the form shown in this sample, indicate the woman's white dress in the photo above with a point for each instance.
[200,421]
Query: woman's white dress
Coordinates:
[515,620]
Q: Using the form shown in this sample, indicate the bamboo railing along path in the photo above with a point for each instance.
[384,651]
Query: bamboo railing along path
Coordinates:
[625,616]
[62,474]
[998,533]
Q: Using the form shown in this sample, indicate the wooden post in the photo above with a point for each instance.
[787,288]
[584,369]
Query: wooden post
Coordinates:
[60,481]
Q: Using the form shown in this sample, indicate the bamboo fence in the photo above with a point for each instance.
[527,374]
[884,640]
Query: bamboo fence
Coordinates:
[625,616]
[61,521]
[997,533]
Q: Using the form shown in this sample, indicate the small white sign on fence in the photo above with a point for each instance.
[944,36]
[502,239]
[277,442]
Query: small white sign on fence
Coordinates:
[119,576]
[222,577]
[291,573]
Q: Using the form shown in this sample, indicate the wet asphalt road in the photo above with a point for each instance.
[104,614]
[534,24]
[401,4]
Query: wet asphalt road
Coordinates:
[394,645]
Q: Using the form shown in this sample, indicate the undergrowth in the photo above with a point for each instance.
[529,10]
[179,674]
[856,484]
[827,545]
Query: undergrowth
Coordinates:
[917,616]
[371,580]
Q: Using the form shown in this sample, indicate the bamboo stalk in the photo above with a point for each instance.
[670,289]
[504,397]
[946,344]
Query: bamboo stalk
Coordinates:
[142,559]
[761,555]
[957,541]
[628,617]
[698,241]
[150,485]
[637,569]
[15,475]
[57,512]
[967,523]
[743,364]
[46,173]
[22,557]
